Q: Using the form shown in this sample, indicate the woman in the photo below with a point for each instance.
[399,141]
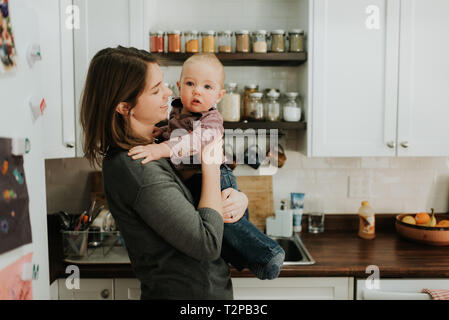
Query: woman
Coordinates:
[174,247]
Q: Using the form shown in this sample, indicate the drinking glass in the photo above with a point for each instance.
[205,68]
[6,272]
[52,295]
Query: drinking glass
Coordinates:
[316,222]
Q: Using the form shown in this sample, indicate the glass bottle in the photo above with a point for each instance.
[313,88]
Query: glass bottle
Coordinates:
[296,40]
[242,41]
[174,41]
[192,42]
[291,110]
[250,88]
[225,41]
[277,41]
[255,107]
[157,41]
[229,106]
[260,41]
[208,41]
[272,106]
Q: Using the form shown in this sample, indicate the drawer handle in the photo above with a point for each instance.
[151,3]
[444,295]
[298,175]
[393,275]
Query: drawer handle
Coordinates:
[391,144]
[404,144]
[105,294]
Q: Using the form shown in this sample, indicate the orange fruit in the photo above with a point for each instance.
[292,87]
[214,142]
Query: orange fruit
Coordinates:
[422,218]
[443,223]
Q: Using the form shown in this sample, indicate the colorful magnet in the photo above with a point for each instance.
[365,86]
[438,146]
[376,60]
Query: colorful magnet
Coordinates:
[9,194]
[4,226]
[13,214]
[18,176]
[5,167]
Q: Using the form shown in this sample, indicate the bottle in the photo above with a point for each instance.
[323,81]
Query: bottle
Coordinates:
[229,106]
[291,110]
[272,107]
[367,221]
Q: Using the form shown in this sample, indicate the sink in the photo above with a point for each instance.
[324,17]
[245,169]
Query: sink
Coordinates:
[295,251]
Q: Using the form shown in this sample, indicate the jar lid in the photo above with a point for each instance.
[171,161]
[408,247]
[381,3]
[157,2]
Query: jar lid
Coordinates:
[256,95]
[157,33]
[251,86]
[279,31]
[174,32]
[264,32]
[194,32]
[208,33]
[232,85]
[242,32]
[273,93]
[226,32]
[296,31]
[292,94]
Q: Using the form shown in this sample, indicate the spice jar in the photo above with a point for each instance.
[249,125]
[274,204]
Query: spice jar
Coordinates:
[192,42]
[260,41]
[296,40]
[255,107]
[208,41]
[229,106]
[278,41]
[250,88]
[242,41]
[174,41]
[291,110]
[225,41]
[272,106]
[157,41]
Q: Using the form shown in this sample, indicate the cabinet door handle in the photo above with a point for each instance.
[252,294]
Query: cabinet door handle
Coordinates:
[404,144]
[70,145]
[105,294]
[391,144]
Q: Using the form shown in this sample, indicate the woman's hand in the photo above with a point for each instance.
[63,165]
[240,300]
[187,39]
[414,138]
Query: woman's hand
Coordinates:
[234,205]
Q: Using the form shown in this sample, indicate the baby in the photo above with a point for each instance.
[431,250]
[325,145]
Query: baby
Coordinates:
[194,122]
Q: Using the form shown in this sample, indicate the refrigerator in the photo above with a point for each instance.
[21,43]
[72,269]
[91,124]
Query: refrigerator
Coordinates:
[24,266]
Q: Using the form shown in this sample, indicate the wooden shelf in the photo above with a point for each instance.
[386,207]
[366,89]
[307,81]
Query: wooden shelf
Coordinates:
[281,125]
[241,59]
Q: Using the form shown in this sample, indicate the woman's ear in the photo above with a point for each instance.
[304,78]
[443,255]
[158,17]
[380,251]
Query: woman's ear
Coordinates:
[122,108]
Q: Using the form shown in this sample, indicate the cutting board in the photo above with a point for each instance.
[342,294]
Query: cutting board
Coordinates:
[259,190]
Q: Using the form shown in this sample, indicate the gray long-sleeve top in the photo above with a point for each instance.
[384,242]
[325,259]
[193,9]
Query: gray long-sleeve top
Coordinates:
[174,248]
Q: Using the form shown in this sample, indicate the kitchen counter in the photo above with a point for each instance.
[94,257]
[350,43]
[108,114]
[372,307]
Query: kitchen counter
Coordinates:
[338,252]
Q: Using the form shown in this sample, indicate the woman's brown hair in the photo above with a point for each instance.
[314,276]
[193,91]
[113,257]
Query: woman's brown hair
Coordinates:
[115,75]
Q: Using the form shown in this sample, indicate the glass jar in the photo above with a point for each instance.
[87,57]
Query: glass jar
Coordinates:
[296,40]
[157,41]
[278,41]
[192,41]
[225,41]
[208,41]
[272,106]
[229,106]
[174,41]
[291,110]
[242,41]
[254,111]
[260,41]
[250,88]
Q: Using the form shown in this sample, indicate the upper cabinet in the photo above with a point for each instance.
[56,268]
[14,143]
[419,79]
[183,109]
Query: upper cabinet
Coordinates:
[380,78]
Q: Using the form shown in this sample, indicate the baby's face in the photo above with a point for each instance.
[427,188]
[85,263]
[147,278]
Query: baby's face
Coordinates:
[200,86]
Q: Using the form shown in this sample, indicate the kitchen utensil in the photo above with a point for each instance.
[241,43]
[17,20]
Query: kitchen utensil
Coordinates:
[277,156]
[253,156]
[435,236]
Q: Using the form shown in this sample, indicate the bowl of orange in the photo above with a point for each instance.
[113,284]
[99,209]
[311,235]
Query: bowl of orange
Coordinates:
[423,228]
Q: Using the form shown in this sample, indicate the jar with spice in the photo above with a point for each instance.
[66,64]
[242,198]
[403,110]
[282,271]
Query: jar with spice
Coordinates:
[296,40]
[272,106]
[229,106]
[208,41]
[250,88]
[192,42]
[225,41]
[254,111]
[260,41]
[174,41]
[291,110]
[278,41]
[157,41]
[242,41]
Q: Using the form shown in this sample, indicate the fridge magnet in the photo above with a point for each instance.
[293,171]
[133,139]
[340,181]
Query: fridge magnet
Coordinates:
[14,201]
[12,285]
[7,46]
[4,167]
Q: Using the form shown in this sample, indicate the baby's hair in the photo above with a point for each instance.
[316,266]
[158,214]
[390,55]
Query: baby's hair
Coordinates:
[207,58]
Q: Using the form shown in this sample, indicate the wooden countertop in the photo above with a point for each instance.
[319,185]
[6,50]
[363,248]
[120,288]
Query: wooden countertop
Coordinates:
[338,252]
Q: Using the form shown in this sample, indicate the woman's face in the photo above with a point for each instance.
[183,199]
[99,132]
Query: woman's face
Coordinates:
[152,104]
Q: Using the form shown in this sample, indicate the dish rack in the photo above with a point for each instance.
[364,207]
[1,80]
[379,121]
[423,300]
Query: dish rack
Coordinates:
[81,245]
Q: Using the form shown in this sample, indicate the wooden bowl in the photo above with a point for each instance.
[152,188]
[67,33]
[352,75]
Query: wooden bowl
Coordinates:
[435,236]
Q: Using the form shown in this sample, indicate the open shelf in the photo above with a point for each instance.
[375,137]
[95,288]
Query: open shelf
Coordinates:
[241,59]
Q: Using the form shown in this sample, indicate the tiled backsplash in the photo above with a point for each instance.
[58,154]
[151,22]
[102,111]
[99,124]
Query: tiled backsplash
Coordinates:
[397,184]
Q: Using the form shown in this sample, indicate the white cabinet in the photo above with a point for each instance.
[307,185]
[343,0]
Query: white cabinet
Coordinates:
[89,289]
[285,288]
[127,289]
[380,79]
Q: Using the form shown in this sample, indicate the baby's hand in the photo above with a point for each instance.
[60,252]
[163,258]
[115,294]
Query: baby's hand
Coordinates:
[150,152]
